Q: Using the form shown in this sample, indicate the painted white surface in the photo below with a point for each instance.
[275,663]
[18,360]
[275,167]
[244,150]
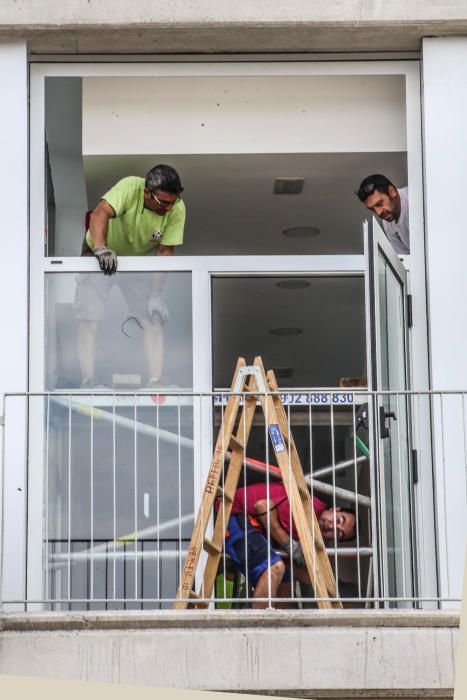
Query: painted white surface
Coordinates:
[14,189]
[247,114]
[14,301]
[445,110]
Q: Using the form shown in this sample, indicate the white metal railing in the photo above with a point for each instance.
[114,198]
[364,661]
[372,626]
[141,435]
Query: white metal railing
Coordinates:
[99,494]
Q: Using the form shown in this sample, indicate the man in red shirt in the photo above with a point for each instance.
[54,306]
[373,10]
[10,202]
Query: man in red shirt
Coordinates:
[260,509]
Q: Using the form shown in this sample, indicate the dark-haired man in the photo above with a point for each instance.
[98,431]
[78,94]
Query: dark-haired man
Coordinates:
[259,508]
[391,205]
[137,216]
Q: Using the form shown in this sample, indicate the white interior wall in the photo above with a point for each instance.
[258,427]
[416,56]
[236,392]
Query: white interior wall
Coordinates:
[445,110]
[63,133]
[256,114]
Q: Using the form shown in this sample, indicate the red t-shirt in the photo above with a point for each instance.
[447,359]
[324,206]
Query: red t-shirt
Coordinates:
[277,493]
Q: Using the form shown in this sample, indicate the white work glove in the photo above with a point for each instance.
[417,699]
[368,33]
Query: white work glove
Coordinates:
[157,306]
[107,259]
[295,552]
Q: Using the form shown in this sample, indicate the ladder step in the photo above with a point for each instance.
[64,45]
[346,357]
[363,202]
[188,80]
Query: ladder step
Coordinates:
[236,444]
[221,493]
[211,548]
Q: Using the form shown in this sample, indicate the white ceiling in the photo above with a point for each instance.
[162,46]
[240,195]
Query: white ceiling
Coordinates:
[231,208]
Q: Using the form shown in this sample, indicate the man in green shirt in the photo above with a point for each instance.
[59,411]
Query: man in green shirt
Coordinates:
[136,217]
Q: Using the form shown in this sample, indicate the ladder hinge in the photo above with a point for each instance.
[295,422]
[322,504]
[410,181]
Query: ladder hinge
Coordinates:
[211,548]
[415,466]
[409,311]
[220,493]
[236,444]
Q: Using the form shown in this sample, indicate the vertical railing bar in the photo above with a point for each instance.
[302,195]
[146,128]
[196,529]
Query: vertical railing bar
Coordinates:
[357,514]
[46,488]
[179,472]
[465,443]
[142,575]
[268,496]
[313,534]
[114,498]
[159,575]
[224,569]
[69,499]
[71,593]
[106,576]
[135,469]
[92,495]
[333,462]
[245,517]
[88,579]
[399,452]
[124,576]
[245,521]
[421,509]
[53,605]
[158,557]
[289,438]
[375,494]
[444,492]
[2,534]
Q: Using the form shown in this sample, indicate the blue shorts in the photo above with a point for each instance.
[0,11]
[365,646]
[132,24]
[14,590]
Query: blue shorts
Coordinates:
[251,556]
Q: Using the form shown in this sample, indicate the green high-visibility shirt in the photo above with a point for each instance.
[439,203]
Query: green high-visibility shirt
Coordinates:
[136,230]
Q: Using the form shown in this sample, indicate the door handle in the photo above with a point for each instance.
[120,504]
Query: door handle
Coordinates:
[384,429]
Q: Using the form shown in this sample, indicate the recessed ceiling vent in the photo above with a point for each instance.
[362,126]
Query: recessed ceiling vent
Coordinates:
[286,332]
[301,231]
[288,185]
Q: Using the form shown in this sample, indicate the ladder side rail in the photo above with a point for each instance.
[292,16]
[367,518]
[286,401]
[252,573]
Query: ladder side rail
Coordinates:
[185,589]
[230,487]
[295,497]
[316,536]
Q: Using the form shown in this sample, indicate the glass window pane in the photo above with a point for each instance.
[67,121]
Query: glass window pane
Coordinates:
[397,485]
[309,329]
[117,465]
[99,333]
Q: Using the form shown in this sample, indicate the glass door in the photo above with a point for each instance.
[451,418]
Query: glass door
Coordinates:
[386,313]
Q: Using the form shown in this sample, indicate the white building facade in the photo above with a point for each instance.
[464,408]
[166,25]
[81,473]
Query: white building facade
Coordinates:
[243,101]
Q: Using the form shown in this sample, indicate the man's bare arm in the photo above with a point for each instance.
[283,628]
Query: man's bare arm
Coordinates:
[98,224]
[278,533]
[160,277]
[164,250]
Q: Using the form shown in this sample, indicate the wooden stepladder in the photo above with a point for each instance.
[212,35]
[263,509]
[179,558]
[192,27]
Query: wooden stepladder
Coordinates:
[254,384]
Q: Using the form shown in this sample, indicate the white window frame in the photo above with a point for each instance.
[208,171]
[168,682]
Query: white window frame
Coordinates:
[203,267]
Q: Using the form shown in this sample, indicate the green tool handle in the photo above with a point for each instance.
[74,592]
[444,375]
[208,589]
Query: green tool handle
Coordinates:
[362,447]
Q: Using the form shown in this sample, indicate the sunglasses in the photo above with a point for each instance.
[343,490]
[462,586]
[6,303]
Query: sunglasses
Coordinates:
[163,202]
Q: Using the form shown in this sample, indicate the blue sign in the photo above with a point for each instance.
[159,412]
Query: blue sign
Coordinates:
[276,437]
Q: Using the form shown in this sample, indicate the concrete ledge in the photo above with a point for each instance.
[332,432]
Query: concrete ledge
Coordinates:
[204,37]
[218,619]
[314,654]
